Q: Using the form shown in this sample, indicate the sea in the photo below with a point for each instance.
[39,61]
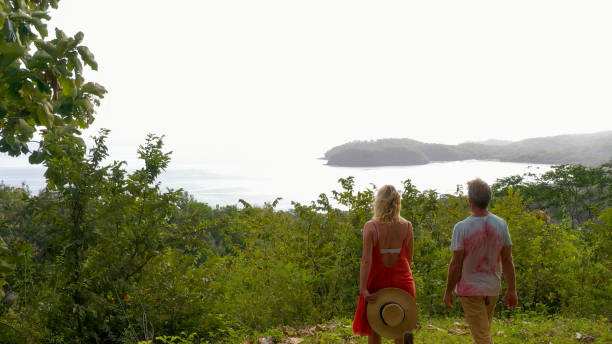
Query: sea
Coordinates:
[301,180]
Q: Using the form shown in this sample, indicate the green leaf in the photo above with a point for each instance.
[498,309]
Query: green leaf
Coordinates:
[71,44]
[48,110]
[88,108]
[40,15]
[68,129]
[66,107]
[94,88]
[20,15]
[88,57]
[40,83]
[75,63]
[68,86]
[9,31]
[48,47]
[64,45]
[39,60]
[20,4]
[61,69]
[9,53]
[40,27]
[2,18]
[3,246]
[25,128]
[80,141]
[44,5]
[36,157]
[60,35]
[42,118]
[6,268]
[9,139]
[78,38]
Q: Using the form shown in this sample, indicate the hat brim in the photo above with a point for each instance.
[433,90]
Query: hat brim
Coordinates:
[395,295]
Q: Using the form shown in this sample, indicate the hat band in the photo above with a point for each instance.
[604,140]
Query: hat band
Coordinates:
[382,308]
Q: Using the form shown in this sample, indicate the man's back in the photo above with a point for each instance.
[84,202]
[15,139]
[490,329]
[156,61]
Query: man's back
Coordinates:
[481,238]
[481,246]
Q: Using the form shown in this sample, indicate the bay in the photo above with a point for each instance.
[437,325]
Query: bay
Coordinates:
[301,180]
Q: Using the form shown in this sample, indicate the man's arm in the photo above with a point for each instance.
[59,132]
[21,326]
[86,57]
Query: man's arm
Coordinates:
[511,299]
[454,275]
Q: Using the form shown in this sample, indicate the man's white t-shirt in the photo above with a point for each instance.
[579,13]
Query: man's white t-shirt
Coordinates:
[481,239]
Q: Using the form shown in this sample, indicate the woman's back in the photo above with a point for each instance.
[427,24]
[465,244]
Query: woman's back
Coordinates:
[387,252]
[391,238]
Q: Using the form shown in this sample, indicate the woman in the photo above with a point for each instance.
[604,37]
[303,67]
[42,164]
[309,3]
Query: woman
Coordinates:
[388,244]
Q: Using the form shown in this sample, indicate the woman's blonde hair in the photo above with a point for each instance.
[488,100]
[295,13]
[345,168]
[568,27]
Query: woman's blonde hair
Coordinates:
[387,205]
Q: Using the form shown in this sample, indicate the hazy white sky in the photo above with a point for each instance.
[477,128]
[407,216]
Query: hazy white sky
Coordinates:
[226,78]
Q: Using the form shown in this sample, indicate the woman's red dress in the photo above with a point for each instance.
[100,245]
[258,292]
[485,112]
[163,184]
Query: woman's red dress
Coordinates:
[396,276]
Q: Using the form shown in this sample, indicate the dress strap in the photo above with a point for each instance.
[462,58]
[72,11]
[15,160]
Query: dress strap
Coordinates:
[377,234]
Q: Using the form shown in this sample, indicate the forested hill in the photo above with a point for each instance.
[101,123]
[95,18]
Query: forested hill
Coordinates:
[586,149]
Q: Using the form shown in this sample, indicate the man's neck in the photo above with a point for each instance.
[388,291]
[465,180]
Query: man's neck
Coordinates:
[479,212]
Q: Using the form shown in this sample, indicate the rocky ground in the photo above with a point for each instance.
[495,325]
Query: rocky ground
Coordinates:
[522,330]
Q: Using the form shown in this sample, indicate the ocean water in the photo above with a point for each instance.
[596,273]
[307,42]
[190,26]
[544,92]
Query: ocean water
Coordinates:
[301,180]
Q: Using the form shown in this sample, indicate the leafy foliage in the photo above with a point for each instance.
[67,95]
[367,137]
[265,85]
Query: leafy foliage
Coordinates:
[42,88]
[95,232]
[573,192]
[106,255]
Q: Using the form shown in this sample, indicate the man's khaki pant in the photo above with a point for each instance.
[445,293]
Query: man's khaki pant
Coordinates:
[479,314]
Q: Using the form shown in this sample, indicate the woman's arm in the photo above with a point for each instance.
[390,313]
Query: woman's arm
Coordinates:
[366,259]
[410,243]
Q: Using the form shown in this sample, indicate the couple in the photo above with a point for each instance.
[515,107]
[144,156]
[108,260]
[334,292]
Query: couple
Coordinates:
[481,247]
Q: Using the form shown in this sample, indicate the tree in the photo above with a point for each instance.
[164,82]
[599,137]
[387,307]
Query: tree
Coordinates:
[42,88]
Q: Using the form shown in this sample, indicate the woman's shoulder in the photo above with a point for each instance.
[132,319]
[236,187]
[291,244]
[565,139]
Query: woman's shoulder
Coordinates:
[405,222]
[407,225]
[369,226]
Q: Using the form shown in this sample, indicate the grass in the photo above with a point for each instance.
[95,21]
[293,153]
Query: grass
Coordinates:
[519,329]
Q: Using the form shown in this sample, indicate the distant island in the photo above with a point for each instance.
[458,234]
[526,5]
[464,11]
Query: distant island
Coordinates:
[587,149]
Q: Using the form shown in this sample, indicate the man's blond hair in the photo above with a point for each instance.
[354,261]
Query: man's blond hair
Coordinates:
[479,192]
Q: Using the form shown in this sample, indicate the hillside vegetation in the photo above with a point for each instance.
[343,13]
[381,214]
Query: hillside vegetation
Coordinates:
[104,255]
[586,149]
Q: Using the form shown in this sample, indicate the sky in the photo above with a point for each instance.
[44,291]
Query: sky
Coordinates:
[236,79]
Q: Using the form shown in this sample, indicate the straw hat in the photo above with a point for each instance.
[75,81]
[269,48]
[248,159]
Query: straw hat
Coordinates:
[393,313]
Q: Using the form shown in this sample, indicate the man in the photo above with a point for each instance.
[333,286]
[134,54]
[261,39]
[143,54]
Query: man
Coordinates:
[481,247]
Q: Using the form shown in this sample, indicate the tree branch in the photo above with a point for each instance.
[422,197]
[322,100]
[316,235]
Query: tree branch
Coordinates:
[137,270]
[12,328]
